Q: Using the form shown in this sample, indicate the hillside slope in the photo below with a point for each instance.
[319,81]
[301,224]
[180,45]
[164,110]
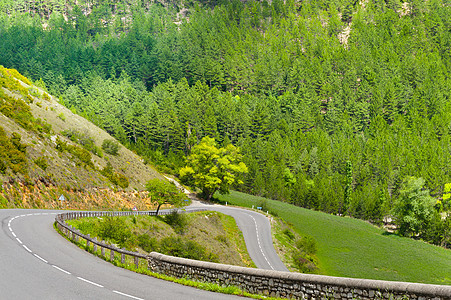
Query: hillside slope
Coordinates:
[44,144]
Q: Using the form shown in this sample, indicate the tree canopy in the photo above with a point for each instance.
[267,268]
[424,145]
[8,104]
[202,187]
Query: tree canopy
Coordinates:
[414,209]
[213,169]
[164,192]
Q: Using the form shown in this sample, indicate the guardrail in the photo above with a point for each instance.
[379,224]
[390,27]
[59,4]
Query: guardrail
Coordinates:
[74,235]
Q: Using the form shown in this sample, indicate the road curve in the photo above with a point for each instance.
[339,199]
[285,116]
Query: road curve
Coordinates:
[256,230]
[36,262]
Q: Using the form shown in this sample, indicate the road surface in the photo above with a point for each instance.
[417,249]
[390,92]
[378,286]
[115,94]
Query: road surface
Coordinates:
[37,263]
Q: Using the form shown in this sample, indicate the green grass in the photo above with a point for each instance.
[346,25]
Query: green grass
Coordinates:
[354,248]
[215,233]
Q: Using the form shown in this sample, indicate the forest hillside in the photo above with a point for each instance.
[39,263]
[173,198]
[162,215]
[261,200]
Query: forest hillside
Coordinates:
[47,151]
[339,106]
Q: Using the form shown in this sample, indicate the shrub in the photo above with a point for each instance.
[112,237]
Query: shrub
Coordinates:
[122,180]
[177,246]
[304,257]
[12,153]
[288,233]
[110,147]
[147,243]
[307,244]
[114,177]
[62,117]
[304,262]
[176,220]
[3,202]
[82,154]
[84,140]
[116,230]
[42,162]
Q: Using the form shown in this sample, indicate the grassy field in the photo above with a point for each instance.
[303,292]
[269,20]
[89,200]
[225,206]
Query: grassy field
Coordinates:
[353,248]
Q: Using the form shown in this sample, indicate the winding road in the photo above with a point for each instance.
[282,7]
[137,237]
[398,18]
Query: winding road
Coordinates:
[37,263]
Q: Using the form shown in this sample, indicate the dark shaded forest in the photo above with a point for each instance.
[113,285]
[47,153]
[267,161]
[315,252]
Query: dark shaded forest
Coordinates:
[335,105]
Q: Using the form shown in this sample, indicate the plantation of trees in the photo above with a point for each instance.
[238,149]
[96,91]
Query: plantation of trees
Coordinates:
[339,106]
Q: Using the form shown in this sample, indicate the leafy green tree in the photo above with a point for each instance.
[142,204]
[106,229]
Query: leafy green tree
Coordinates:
[164,192]
[413,210]
[212,169]
[348,188]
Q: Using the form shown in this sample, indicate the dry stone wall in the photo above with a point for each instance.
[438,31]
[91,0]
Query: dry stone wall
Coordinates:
[294,285]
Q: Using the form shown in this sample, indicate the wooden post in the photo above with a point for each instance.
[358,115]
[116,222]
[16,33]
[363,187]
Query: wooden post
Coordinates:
[102,250]
[137,261]
[87,242]
[95,245]
[112,255]
[122,257]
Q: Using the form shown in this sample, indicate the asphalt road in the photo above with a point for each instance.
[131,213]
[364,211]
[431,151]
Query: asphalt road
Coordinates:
[37,263]
[256,230]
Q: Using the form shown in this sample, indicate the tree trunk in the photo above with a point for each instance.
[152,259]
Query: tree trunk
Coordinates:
[158,209]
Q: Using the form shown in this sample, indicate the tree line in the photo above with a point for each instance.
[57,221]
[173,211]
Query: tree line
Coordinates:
[324,120]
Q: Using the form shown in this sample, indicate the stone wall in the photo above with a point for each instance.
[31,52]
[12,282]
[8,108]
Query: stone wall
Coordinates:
[294,285]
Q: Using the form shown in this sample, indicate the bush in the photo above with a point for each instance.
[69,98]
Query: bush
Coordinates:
[116,230]
[42,162]
[110,147]
[304,262]
[147,243]
[307,244]
[3,202]
[288,233]
[176,220]
[122,180]
[176,246]
[304,257]
[84,140]
[114,177]
[12,153]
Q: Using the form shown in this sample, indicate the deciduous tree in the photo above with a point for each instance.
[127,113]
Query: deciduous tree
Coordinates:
[164,192]
[212,169]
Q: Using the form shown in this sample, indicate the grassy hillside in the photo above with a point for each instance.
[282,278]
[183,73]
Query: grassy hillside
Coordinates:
[353,248]
[209,236]
[47,150]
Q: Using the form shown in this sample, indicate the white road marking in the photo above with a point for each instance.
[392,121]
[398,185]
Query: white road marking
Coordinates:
[90,282]
[127,295]
[14,235]
[40,258]
[259,244]
[26,248]
[59,269]
[20,242]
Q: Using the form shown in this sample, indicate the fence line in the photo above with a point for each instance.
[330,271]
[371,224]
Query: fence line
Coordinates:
[74,234]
